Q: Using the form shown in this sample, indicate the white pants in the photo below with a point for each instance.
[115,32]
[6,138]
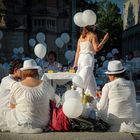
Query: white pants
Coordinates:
[85,70]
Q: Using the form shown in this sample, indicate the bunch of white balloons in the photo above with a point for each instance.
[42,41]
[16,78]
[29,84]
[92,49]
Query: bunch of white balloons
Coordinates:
[85,18]
[40,48]
[40,38]
[72,106]
[63,39]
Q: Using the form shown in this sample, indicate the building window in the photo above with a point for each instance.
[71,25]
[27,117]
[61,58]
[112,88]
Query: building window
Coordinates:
[44,23]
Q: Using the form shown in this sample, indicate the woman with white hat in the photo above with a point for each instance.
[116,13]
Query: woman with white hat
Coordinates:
[119,98]
[29,102]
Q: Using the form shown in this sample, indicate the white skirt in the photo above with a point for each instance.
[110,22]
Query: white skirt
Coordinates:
[85,70]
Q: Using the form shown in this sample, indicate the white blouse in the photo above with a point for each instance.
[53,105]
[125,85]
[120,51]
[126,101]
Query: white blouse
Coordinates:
[86,47]
[120,98]
[5,88]
[32,104]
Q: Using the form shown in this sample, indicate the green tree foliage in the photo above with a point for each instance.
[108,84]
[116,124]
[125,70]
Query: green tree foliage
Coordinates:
[109,19]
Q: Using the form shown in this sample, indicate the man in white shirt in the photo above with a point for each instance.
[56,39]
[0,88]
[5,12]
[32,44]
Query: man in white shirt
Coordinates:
[8,81]
[118,98]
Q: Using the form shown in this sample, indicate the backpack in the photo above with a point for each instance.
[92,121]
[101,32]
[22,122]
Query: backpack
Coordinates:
[59,121]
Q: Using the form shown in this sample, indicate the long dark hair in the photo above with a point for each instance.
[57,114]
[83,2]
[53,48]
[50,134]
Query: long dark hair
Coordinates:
[15,64]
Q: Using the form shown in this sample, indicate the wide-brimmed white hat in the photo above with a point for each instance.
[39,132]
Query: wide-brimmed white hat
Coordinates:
[30,64]
[115,67]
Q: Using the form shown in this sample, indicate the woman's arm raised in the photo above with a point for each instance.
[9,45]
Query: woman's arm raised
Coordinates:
[97,47]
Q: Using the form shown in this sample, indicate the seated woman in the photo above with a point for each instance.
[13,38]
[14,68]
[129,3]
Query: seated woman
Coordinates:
[119,100]
[52,64]
[29,102]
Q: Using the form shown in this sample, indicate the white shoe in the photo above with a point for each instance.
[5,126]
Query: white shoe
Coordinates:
[26,128]
[129,128]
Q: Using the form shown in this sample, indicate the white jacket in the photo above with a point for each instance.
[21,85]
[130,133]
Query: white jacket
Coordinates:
[119,98]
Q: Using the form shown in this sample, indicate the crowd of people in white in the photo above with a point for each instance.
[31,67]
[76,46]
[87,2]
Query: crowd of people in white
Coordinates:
[24,99]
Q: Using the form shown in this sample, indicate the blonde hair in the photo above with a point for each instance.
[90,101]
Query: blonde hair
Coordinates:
[89,35]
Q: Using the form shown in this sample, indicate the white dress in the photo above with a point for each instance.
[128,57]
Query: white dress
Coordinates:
[32,105]
[86,67]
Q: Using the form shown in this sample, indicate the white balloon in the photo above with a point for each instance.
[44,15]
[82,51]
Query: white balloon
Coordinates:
[72,94]
[40,50]
[102,58]
[78,20]
[89,17]
[65,37]
[72,108]
[15,50]
[78,81]
[68,54]
[40,37]
[109,55]
[32,42]
[59,43]
[1,34]
[20,50]
[114,51]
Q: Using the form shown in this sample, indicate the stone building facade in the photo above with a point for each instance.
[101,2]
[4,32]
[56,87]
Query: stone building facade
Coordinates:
[21,20]
[131,26]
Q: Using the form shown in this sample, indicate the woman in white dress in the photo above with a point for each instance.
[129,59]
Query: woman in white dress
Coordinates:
[87,46]
[29,102]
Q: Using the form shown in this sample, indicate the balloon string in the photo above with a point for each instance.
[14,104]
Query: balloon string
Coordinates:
[100,29]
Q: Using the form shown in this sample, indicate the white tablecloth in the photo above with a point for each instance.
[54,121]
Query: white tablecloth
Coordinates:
[59,75]
[60,78]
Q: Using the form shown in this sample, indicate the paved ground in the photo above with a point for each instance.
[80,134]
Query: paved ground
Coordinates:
[70,136]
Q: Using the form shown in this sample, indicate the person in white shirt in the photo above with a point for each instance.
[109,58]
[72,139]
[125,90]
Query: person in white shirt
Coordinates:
[8,81]
[87,46]
[29,102]
[52,64]
[118,97]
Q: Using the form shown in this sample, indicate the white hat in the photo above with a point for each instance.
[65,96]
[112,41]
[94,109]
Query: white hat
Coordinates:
[115,67]
[30,64]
